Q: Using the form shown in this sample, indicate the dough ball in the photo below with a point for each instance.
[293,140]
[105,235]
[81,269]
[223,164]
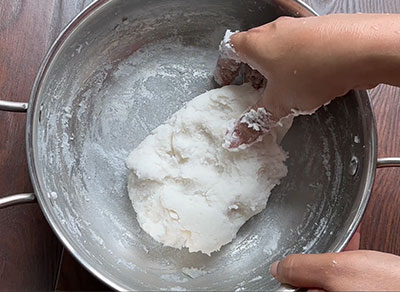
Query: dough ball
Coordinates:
[189,191]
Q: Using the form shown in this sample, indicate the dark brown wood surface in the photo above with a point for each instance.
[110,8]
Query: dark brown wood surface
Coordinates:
[29,252]
[380,227]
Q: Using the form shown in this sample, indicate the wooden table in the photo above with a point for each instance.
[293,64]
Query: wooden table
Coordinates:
[29,252]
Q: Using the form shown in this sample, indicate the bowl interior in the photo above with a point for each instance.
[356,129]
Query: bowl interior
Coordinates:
[122,73]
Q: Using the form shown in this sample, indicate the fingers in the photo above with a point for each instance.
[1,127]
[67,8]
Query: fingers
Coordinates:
[256,79]
[243,44]
[346,271]
[261,47]
[228,64]
[230,71]
[230,68]
[305,271]
[241,137]
[226,71]
[256,121]
[249,129]
[251,47]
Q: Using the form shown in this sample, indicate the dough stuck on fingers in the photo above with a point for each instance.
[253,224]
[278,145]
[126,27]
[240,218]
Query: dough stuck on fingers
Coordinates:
[248,129]
[228,65]
[190,192]
[254,123]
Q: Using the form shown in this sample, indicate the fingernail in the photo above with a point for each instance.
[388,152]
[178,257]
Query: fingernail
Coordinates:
[273,269]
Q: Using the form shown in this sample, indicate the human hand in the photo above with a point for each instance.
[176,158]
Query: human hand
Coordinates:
[310,61]
[346,271]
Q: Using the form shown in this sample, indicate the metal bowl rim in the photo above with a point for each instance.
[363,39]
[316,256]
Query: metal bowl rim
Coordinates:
[51,56]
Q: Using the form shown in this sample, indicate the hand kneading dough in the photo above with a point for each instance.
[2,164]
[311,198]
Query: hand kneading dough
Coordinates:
[187,190]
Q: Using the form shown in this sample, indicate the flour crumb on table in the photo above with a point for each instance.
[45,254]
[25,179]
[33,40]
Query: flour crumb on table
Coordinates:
[189,191]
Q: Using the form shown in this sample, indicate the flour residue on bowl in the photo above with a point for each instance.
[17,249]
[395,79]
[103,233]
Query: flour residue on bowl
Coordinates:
[126,78]
[189,191]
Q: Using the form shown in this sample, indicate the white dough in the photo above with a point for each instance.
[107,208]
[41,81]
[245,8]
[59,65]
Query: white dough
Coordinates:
[187,190]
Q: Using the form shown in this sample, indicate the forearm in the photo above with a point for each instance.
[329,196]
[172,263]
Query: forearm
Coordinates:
[375,44]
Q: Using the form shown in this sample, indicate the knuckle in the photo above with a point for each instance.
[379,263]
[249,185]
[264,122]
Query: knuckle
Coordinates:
[239,41]
[287,268]
[239,38]
[284,18]
[279,22]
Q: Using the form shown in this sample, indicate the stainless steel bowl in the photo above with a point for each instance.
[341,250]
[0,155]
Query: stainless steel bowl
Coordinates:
[119,70]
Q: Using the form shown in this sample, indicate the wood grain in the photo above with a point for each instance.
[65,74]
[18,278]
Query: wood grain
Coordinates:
[354,6]
[381,223]
[380,227]
[29,252]
[73,277]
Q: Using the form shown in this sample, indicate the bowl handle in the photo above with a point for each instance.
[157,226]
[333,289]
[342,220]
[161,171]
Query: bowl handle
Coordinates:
[20,198]
[12,106]
[388,162]
[16,200]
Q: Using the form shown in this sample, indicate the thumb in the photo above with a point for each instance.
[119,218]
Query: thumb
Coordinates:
[304,271]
